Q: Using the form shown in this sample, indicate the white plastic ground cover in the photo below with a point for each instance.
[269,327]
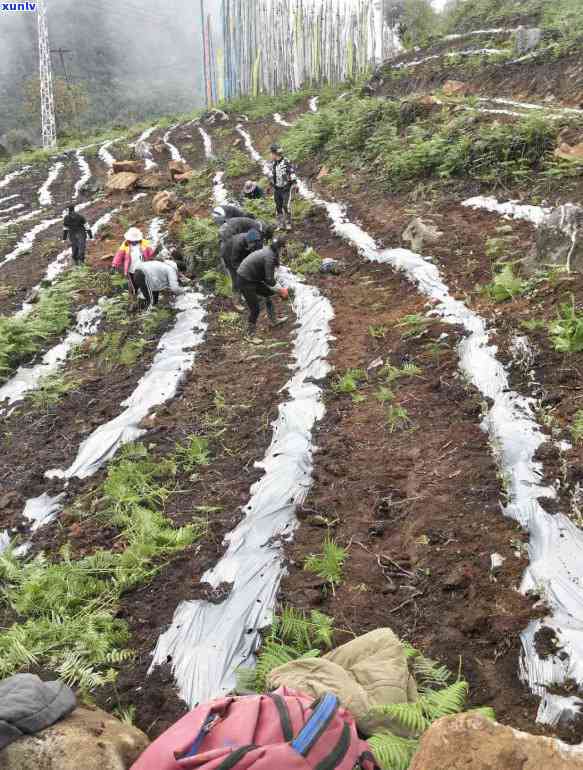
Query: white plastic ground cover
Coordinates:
[208,145]
[105,155]
[150,163]
[85,174]
[13,175]
[534,214]
[207,642]
[556,544]
[45,197]
[220,194]
[11,208]
[9,198]
[278,119]
[313,103]
[27,378]
[497,31]
[174,151]
[433,57]
[22,218]
[25,244]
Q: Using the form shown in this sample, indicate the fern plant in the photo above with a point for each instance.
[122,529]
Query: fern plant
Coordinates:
[414,324]
[397,418]
[350,382]
[195,452]
[577,427]
[51,389]
[329,564]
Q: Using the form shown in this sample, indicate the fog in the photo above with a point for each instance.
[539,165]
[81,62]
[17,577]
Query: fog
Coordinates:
[136,59]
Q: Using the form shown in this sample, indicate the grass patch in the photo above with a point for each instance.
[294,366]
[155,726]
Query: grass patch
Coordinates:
[68,607]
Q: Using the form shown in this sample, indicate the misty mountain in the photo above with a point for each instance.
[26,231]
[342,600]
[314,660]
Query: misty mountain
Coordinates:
[135,60]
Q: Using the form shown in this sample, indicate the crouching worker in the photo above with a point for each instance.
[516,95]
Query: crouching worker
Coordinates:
[256,281]
[76,230]
[155,276]
[221,214]
[132,254]
[252,191]
[239,225]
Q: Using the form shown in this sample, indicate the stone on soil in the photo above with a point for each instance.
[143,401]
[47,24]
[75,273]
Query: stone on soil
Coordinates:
[177,168]
[472,742]
[88,738]
[133,166]
[419,233]
[455,88]
[558,241]
[164,201]
[126,180]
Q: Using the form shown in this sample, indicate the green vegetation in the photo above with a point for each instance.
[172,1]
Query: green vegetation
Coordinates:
[306,262]
[112,349]
[262,105]
[238,164]
[505,285]
[329,564]
[194,453]
[262,208]
[200,239]
[199,186]
[397,418]
[350,382]
[414,324]
[67,608]
[219,282]
[577,427]
[566,331]
[51,389]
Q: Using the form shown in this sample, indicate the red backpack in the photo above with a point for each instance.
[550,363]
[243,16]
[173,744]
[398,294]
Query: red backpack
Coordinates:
[281,731]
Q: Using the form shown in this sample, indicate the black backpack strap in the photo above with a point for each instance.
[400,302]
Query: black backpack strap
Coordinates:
[284,716]
[335,757]
[325,710]
[234,757]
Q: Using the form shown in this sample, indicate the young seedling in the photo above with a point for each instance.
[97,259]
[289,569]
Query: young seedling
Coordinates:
[329,564]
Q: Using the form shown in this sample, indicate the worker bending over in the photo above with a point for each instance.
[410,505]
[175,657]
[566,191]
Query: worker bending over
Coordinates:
[256,281]
[155,276]
[252,191]
[76,230]
[243,225]
[222,214]
[236,249]
[132,254]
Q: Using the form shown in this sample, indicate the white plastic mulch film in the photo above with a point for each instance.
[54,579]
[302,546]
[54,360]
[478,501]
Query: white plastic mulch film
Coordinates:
[207,642]
[556,544]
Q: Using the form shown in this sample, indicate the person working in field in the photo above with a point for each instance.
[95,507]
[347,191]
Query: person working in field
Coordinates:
[256,281]
[252,191]
[132,254]
[239,225]
[222,214]
[283,179]
[236,249]
[155,276]
[76,231]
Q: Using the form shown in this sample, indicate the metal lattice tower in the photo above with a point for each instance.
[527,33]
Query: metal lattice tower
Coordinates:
[47,102]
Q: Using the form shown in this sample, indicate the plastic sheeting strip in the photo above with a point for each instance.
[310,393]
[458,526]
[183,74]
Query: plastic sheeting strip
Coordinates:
[534,214]
[208,145]
[85,174]
[556,544]
[207,642]
[314,103]
[9,198]
[28,378]
[13,175]
[22,218]
[45,197]
[25,244]
[11,208]
[174,151]
[433,57]
[278,119]
[104,154]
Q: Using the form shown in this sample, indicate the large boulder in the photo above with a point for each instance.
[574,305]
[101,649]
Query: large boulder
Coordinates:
[178,168]
[122,182]
[164,201]
[472,742]
[456,88]
[89,739]
[567,152]
[419,233]
[559,240]
[133,166]
[151,181]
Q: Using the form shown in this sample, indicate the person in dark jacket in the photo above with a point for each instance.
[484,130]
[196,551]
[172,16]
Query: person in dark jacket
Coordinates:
[222,214]
[256,280]
[283,179]
[236,249]
[76,230]
[252,191]
[243,225]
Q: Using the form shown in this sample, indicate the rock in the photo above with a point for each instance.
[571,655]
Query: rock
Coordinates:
[419,233]
[472,742]
[133,166]
[558,240]
[323,172]
[178,167]
[527,39]
[566,152]
[10,500]
[89,738]
[164,201]
[122,182]
[152,181]
[179,178]
[160,147]
[455,88]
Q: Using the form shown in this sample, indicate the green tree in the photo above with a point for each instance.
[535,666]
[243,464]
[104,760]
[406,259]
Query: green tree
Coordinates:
[71,103]
[419,23]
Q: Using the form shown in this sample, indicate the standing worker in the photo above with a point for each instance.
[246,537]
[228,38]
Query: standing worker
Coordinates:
[155,276]
[134,251]
[256,280]
[283,178]
[76,230]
